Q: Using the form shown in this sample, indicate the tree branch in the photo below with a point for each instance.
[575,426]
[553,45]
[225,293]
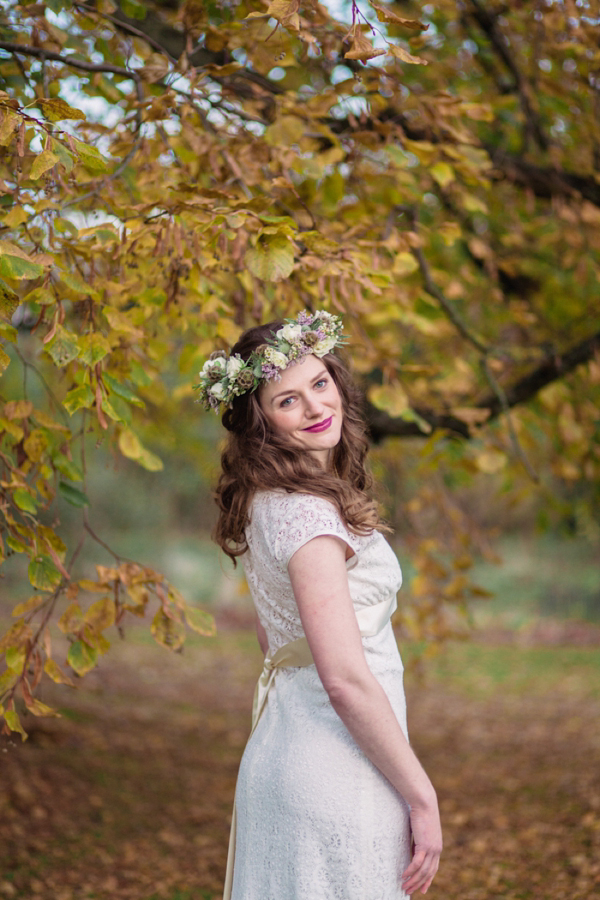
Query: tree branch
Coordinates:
[488,24]
[553,367]
[40,53]
[434,291]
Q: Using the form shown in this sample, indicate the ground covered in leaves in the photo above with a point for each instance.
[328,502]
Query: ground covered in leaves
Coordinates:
[128,795]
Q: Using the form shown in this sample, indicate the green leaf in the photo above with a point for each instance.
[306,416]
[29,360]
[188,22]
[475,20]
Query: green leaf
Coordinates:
[9,333]
[122,391]
[133,9]
[200,621]
[41,295]
[91,158]
[111,412]
[55,109]
[93,348]
[24,500]
[43,574]
[17,264]
[78,398]
[64,346]
[15,544]
[73,495]
[14,723]
[15,658]
[67,467]
[81,657]
[75,283]
[42,163]
[272,259]
[65,158]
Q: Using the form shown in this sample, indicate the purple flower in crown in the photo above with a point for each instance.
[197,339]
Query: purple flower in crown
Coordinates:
[269,372]
[304,318]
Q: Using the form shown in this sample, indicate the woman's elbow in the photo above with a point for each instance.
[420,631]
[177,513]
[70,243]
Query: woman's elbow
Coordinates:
[344,690]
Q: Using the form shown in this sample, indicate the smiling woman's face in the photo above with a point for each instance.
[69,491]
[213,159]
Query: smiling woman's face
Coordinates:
[305,406]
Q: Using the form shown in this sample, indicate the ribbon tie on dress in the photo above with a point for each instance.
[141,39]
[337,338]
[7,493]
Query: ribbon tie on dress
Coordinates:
[296,654]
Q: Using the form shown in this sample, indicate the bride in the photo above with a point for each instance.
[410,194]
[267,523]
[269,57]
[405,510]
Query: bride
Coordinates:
[331,801]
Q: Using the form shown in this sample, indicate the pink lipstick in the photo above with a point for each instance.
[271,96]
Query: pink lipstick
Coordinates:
[321,426]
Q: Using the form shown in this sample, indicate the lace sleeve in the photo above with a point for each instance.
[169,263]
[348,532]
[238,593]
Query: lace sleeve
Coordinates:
[306,517]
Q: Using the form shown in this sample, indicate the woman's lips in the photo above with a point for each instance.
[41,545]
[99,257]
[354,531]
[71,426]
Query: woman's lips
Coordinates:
[321,426]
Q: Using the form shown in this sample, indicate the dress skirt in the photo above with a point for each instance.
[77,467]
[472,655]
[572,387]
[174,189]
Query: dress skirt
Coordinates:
[316,820]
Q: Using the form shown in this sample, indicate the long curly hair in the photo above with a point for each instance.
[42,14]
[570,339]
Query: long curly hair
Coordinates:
[256,458]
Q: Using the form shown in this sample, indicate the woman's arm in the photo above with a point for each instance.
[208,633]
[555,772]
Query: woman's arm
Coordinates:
[261,634]
[318,575]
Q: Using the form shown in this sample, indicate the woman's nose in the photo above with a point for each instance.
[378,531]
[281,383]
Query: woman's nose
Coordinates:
[314,406]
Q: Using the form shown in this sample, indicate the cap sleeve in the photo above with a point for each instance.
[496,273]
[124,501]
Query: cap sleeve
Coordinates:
[307,517]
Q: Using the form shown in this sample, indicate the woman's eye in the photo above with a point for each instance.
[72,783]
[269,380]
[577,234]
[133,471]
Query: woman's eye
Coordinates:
[285,402]
[321,382]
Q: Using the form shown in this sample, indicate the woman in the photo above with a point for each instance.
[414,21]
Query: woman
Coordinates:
[329,791]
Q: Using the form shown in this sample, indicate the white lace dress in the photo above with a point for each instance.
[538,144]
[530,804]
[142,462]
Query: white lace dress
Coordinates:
[316,820]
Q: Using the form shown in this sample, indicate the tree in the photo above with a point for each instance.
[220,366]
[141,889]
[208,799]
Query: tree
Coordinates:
[431,171]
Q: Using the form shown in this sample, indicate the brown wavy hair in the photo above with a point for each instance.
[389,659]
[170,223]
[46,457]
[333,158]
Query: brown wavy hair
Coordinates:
[256,458]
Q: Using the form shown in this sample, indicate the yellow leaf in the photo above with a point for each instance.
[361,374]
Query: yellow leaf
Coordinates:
[9,125]
[101,614]
[443,173]
[491,461]
[286,12]
[130,445]
[15,217]
[42,163]
[57,675]
[18,409]
[389,397]
[404,56]
[360,47]
[71,620]
[40,709]
[470,415]
[14,723]
[167,631]
[404,264]
[386,15]
[200,621]
[55,108]
[29,605]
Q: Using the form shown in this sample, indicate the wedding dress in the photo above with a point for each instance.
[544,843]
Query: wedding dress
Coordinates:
[316,820]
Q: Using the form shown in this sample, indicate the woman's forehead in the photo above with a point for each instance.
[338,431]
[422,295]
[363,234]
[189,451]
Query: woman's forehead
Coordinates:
[295,377]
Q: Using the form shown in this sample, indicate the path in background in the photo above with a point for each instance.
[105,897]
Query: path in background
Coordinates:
[129,794]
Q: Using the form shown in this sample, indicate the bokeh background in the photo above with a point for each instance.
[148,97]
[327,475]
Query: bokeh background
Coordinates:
[173,172]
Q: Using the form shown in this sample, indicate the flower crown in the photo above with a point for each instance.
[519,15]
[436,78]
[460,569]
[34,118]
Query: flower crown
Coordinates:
[222,378]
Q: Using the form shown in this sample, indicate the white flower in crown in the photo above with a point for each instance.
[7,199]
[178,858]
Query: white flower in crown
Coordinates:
[218,390]
[234,364]
[290,333]
[276,358]
[324,346]
[214,364]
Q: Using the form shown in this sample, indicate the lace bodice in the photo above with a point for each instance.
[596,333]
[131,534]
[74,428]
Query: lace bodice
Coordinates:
[281,523]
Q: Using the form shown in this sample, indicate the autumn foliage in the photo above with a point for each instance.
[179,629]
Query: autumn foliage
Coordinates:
[172,173]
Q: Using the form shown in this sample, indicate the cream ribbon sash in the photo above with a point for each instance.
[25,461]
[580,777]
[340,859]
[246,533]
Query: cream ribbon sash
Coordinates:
[371,620]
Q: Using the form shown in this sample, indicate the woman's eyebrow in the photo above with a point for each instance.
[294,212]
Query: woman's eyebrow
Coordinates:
[281,393]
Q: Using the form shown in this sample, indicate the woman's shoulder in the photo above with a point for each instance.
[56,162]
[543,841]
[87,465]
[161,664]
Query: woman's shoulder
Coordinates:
[281,502]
